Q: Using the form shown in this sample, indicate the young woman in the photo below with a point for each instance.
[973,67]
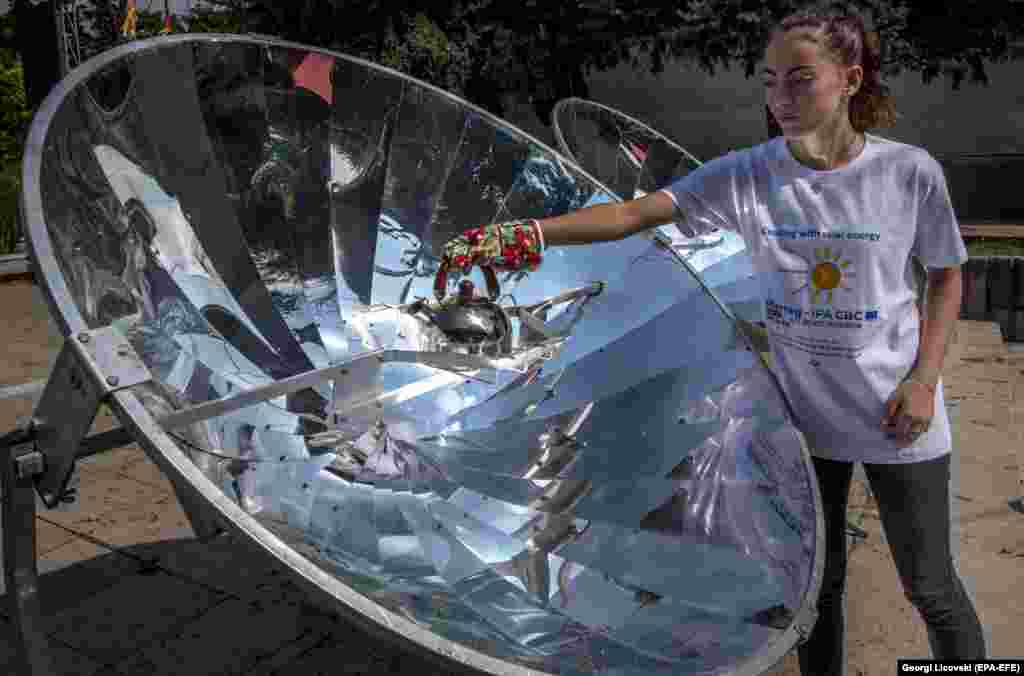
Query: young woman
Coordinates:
[834,218]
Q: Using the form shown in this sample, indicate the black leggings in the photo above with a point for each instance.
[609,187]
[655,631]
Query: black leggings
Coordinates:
[913,502]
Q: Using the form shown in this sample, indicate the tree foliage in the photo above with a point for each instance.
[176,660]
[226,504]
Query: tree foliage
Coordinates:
[14,111]
[101,21]
[100,25]
[929,37]
[544,50]
[14,118]
[207,17]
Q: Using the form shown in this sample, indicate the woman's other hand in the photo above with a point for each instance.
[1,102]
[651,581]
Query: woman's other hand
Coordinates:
[909,412]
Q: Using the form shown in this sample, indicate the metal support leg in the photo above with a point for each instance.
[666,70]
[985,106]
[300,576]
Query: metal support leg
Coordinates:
[21,462]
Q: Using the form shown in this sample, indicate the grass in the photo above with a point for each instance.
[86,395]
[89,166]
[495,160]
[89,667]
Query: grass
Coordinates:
[982,246]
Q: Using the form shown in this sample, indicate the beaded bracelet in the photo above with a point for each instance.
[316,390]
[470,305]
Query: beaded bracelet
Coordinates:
[500,246]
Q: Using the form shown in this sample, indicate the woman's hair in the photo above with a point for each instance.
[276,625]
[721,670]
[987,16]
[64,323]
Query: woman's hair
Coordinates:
[849,42]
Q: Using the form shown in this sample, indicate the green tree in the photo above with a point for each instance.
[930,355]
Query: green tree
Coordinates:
[14,113]
[422,49]
[929,37]
[100,25]
[14,118]
[543,51]
[210,17]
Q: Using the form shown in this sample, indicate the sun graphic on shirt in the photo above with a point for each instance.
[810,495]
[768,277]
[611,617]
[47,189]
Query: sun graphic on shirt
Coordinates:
[829,273]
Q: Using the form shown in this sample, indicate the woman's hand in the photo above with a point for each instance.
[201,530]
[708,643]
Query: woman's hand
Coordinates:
[511,246]
[909,412]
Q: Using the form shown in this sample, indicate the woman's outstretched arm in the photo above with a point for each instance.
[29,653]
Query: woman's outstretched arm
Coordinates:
[611,221]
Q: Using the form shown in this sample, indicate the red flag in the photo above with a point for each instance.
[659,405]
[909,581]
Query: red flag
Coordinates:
[314,73]
[639,151]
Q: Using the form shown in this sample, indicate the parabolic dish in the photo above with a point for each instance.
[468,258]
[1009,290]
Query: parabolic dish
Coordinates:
[612,485]
[633,159]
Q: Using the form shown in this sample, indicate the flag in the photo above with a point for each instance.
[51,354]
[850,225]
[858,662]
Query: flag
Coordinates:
[131,17]
[639,151]
[314,73]
[168,22]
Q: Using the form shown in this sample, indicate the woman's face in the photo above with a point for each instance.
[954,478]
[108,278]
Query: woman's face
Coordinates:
[803,86]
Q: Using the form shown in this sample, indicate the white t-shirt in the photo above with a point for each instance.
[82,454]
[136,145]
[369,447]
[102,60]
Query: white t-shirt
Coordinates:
[833,250]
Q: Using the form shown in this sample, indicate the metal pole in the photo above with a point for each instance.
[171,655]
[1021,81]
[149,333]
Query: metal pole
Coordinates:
[56,7]
[20,463]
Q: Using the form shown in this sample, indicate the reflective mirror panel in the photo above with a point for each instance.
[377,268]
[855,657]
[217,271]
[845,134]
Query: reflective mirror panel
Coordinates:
[601,479]
[632,159]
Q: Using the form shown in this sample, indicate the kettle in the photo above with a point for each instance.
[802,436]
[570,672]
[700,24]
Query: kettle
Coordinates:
[469,320]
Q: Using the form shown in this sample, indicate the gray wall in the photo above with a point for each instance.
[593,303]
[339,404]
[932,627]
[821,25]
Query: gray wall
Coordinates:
[711,115]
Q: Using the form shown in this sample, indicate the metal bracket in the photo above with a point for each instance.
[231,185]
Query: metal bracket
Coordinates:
[28,462]
[356,384]
[805,620]
[111,358]
[90,367]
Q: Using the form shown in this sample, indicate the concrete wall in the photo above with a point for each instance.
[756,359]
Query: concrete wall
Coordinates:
[711,115]
[994,292]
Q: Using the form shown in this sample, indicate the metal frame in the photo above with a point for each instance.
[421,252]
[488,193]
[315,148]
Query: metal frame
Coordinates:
[65,14]
[19,466]
[202,499]
[653,132]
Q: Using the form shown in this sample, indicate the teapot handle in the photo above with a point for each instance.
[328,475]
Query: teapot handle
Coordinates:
[441,282]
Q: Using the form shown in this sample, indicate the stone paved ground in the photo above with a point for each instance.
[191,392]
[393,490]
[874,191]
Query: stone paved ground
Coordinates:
[209,608]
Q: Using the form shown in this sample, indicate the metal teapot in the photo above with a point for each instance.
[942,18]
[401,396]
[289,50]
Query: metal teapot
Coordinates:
[470,320]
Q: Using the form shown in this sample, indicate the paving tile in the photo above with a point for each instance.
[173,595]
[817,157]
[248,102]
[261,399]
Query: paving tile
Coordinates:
[108,671]
[76,551]
[128,461]
[288,653]
[121,512]
[980,337]
[68,586]
[146,526]
[104,499]
[229,638]
[113,461]
[63,659]
[224,564]
[334,658]
[122,619]
[996,415]
[31,339]
[50,537]
[981,373]
[147,472]
[135,665]
[992,489]
[14,411]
